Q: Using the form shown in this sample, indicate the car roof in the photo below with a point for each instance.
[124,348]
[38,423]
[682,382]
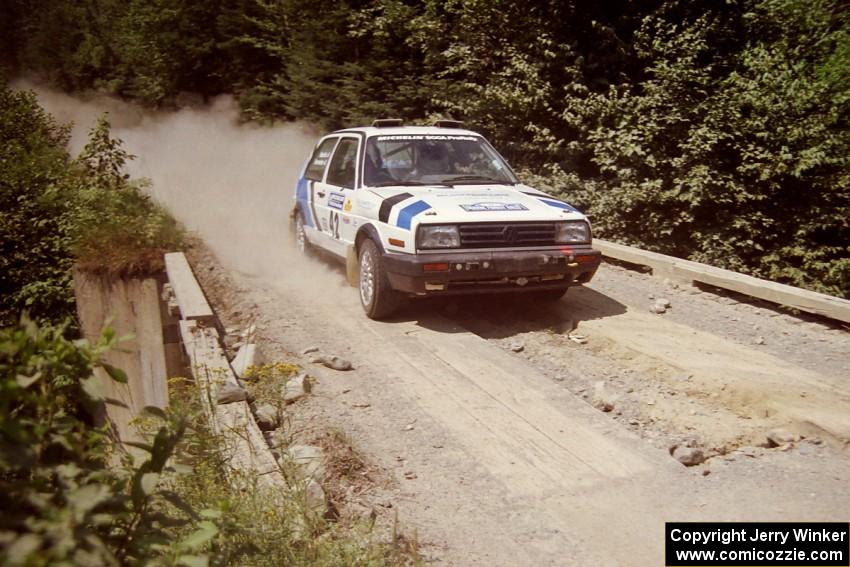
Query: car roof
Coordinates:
[407,130]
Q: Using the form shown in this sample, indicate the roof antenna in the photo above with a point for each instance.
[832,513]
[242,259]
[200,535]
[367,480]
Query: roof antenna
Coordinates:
[387,122]
[448,124]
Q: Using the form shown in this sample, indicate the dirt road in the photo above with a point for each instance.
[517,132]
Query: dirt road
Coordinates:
[496,461]
[479,419]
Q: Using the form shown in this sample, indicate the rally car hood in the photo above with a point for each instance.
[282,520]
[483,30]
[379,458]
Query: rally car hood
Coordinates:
[485,203]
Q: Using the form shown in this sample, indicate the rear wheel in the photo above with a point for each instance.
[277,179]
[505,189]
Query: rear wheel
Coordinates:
[302,245]
[377,297]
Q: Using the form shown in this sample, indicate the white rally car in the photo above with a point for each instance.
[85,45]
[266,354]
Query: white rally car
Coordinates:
[418,211]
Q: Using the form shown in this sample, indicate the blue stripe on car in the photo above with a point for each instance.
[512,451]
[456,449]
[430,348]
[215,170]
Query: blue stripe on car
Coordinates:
[301,195]
[405,216]
[559,204]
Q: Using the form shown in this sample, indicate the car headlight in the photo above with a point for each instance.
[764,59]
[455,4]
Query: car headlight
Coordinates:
[572,232]
[438,236]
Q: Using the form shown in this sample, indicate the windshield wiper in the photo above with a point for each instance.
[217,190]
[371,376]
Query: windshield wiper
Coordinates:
[452,180]
[399,183]
[409,183]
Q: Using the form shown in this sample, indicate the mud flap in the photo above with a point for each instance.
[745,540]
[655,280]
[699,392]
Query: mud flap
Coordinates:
[351,266]
[292,214]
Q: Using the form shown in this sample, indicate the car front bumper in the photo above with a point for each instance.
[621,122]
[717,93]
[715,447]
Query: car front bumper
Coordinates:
[450,273]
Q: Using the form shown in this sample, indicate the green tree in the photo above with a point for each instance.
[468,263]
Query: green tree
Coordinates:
[55,211]
[35,263]
[741,161]
[716,131]
[165,47]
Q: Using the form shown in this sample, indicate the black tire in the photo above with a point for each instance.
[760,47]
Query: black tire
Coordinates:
[376,296]
[302,245]
[548,295]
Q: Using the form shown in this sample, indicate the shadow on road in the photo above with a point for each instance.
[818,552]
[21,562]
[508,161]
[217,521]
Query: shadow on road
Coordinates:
[501,316]
[494,316]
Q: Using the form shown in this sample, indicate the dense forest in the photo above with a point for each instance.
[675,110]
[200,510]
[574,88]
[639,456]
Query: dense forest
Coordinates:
[56,211]
[715,131]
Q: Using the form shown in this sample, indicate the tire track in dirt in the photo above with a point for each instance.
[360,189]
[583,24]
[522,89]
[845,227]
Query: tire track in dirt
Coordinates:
[678,373]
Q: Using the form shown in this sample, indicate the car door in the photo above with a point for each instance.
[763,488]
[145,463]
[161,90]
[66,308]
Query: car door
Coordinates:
[336,190]
[310,201]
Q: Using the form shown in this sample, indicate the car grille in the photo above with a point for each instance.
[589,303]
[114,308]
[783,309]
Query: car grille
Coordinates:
[503,235]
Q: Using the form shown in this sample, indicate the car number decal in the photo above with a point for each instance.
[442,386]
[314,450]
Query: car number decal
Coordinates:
[336,200]
[333,224]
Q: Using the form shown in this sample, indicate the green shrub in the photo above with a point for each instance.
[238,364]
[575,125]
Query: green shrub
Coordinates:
[116,228]
[55,211]
[70,497]
[62,504]
[742,159]
[35,261]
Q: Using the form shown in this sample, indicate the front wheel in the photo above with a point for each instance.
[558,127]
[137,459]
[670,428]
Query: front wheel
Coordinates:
[377,297]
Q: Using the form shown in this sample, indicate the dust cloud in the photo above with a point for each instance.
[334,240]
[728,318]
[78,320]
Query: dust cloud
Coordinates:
[230,183]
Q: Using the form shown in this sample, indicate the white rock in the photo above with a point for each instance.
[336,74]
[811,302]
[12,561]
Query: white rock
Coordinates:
[173,308]
[167,291]
[267,417]
[779,436]
[580,339]
[297,387]
[602,399]
[688,456]
[308,459]
[333,362]
[231,393]
[232,341]
[657,308]
[244,359]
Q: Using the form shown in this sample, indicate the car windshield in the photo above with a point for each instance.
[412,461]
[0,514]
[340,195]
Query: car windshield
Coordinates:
[433,159]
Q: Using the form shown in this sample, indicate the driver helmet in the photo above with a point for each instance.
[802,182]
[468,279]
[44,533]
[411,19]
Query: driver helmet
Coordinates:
[434,157]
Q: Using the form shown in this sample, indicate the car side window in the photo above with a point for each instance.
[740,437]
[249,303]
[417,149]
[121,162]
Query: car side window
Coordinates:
[316,169]
[342,168]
